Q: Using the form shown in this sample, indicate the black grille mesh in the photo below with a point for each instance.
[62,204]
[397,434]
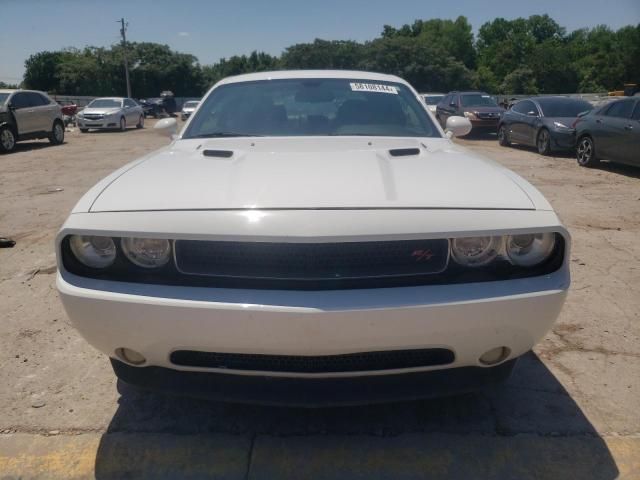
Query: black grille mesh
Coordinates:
[351,362]
[311,261]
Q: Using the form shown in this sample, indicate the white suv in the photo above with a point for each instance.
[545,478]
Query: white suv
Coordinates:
[28,115]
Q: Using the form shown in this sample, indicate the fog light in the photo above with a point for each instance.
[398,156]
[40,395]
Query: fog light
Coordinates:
[131,356]
[495,355]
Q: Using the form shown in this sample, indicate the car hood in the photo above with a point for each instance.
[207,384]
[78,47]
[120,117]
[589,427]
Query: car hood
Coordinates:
[312,173]
[101,111]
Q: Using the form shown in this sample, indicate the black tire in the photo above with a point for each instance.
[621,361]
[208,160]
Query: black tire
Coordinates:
[586,152]
[56,137]
[84,130]
[140,122]
[123,124]
[503,136]
[7,139]
[543,142]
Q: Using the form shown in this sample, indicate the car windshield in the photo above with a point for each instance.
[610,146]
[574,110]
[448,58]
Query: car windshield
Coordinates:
[105,103]
[312,107]
[3,98]
[563,107]
[191,104]
[432,99]
[477,100]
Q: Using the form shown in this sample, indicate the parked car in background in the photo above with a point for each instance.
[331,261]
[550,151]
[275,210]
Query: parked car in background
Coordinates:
[542,122]
[313,238]
[611,132]
[152,107]
[479,107]
[432,100]
[29,115]
[188,108]
[110,113]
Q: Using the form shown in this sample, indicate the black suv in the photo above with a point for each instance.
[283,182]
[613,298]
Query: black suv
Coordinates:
[28,115]
[479,107]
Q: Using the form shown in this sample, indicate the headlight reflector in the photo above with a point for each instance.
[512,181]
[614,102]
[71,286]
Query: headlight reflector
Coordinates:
[530,249]
[93,251]
[475,251]
[147,252]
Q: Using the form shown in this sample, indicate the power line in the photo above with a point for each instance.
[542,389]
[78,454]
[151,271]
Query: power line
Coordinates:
[123,32]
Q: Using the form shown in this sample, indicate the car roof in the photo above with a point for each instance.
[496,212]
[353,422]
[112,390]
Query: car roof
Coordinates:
[110,98]
[293,74]
[432,93]
[470,91]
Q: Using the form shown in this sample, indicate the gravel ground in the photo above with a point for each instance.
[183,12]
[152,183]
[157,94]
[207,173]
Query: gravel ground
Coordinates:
[581,381]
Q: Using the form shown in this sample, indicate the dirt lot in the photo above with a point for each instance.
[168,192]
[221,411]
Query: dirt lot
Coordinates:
[571,409]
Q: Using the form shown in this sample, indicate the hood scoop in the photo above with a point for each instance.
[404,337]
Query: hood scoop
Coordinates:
[404,152]
[218,153]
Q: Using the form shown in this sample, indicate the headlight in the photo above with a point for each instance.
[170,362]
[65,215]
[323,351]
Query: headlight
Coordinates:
[147,252]
[559,125]
[93,251]
[475,251]
[530,249]
[470,115]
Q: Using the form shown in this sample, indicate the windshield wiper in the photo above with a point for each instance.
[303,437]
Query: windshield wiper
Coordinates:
[224,134]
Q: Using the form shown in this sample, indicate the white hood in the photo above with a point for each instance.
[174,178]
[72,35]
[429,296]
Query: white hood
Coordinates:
[320,172]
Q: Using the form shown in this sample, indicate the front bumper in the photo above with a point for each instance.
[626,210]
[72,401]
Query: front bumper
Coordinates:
[304,392]
[467,319]
[97,124]
[563,140]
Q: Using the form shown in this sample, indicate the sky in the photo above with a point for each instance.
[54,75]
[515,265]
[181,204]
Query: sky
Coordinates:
[214,29]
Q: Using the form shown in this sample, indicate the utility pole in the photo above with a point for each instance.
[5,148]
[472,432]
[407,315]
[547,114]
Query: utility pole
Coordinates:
[123,32]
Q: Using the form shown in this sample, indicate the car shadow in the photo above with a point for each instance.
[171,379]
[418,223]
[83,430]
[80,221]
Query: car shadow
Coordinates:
[531,402]
[620,169]
[481,135]
[33,145]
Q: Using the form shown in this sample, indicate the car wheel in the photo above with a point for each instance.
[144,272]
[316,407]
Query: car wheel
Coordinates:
[123,124]
[57,133]
[586,153]
[503,136]
[140,122]
[7,140]
[543,142]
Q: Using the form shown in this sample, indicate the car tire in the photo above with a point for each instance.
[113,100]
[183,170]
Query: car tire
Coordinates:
[503,136]
[7,139]
[56,137]
[140,122]
[123,124]
[543,142]
[586,152]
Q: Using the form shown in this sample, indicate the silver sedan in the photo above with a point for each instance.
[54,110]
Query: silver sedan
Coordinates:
[110,113]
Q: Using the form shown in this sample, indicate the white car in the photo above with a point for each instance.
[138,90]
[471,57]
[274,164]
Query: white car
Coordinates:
[432,100]
[110,113]
[188,108]
[313,237]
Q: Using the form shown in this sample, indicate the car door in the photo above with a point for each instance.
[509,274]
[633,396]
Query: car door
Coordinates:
[23,113]
[42,112]
[631,140]
[133,114]
[523,116]
[441,112]
[613,126]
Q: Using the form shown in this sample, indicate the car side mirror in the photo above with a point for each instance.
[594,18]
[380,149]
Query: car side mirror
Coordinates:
[457,126]
[453,104]
[11,106]
[167,127]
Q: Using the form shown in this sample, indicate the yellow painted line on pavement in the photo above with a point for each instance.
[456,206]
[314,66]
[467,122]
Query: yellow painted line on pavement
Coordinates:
[26,456]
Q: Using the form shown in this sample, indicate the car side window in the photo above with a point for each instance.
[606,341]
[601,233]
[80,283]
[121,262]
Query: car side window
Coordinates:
[620,109]
[35,99]
[522,107]
[636,112]
[444,101]
[45,100]
[20,100]
[129,103]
